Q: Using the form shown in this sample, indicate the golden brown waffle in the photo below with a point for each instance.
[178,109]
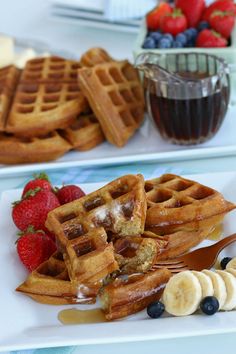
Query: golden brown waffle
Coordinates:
[115,95]
[137,254]
[8,80]
[119,207]
[50,284]
[124,297]
[50,69]
[178,204]
[40,108]
[15,150]
[94,56]
[85,133]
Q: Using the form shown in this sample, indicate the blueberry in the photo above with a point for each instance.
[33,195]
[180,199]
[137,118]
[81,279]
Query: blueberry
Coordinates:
[209,305]
[177,44]
[181,37]
[164,43]
[203,25]
[224,262]
[191,43]
[169,36]
[191,33]
[149,43]
[155,309]
[156,36]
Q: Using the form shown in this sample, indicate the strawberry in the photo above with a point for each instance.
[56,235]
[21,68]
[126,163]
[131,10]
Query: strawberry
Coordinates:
[209,38]
[154,16]
[41,181]
[219,5]
[34,247]
[174,23]
[33,209]
[222,22]
[67,194]
[192,9]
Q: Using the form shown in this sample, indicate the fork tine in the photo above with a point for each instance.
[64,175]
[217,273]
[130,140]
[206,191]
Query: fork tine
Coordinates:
[170,262]
[170,266]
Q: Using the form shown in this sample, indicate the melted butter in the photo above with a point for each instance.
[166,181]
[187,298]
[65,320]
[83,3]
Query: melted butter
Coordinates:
[216,233]
[76,316]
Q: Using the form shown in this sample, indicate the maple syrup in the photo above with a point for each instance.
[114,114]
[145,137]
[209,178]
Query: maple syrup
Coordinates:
[76,316]
[216,234]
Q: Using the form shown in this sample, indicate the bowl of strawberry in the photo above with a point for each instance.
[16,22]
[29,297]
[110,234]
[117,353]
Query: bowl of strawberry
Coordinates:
[190,26]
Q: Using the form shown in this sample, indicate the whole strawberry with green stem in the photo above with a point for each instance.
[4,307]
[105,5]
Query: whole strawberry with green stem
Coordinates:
[222,22]
[33,208]
[68,193]
[34,247]
[40,180]
[174,23]
[193,10]
[219,5]
[210,39]
[154,16]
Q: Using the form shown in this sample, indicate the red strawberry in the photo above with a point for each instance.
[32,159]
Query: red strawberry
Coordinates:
[68,193]
[33,209]
[209,39]
[154,16]
[222,22]
[41,181]
[34,247]
[220,5]
[192,9]
[174,23]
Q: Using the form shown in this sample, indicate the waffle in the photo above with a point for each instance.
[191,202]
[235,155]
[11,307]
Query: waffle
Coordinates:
[8,80]
[50,69]
[15,150]
[50,284]
[85,133]
[137,254]
[41,108]
[119,207]
[94,56]
[115,95]
[178,204]
[125,297]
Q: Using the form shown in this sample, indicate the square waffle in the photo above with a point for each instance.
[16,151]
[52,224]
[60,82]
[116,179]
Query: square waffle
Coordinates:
[119,207]
[178,204]
[124,297]
[115,95]
[85,133]
[94,56]
[8,80]
[15,150]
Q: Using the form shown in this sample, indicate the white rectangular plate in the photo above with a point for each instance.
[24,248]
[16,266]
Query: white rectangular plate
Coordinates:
[26,324]
[145,146]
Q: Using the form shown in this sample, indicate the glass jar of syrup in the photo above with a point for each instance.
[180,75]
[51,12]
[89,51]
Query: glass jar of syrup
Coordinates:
[187,95]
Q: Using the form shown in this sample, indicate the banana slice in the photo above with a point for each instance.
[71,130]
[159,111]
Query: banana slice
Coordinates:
[232,264]
[230,283]
[219,287]
[205,282]
[182,294]
[232,271]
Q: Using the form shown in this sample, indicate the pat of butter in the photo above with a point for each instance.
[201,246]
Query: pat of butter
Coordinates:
[6,50]
[21,59]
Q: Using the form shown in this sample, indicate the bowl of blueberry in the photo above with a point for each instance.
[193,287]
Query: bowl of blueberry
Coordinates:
[190,26]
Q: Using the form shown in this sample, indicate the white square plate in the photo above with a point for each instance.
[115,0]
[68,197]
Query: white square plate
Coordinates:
[145,146]
[26,324]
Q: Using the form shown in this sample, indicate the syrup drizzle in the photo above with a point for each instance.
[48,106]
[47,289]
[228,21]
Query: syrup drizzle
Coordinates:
[76,316]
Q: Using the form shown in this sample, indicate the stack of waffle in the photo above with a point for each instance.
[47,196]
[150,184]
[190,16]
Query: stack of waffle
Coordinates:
[123,229]
[55,105]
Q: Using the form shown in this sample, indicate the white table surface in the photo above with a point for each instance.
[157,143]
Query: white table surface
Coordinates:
[29,19]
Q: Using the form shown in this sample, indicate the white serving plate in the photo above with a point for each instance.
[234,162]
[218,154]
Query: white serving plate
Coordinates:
[146,146]
[26,324]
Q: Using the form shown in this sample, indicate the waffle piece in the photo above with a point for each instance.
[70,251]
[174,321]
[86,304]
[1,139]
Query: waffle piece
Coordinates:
[8,80]
[137,254]
[41,108]
[95,56]
[89,258]
[125,297]
[178,204]
[116,97]
[50,69]
[50,283]
[85,133]
[119,207]
[15,150]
